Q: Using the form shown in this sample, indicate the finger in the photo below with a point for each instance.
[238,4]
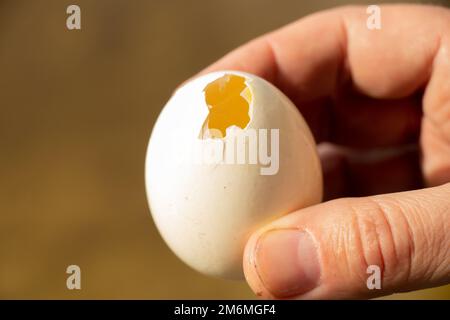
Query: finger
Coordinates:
[324,251]
[390,63]
[352,173]
[362,122]
[435,138]
[357,121]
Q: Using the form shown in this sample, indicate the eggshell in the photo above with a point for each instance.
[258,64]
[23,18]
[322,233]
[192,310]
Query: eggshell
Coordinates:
[206,211]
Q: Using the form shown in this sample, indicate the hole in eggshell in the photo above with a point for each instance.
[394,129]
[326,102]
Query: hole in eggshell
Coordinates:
[228,99]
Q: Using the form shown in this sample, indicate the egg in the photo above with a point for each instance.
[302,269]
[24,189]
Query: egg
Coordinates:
[228,153]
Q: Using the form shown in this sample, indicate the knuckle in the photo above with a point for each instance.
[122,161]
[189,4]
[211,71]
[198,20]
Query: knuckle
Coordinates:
[381,232]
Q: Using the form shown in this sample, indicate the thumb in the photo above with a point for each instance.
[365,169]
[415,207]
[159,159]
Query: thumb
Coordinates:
[334,250]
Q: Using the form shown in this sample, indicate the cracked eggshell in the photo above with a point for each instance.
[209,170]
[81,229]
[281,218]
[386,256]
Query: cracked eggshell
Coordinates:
[206,212]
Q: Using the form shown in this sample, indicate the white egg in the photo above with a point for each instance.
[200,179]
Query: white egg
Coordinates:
[228,153]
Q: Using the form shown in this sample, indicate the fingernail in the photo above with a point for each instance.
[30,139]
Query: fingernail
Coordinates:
[287,262]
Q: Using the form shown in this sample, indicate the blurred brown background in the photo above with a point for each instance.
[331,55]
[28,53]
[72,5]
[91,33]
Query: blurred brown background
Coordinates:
[76,112]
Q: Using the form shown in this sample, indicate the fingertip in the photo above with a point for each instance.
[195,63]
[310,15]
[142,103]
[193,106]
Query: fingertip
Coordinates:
[250,272]
[283,263]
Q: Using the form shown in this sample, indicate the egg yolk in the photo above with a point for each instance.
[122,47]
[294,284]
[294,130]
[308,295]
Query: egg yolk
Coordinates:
[228,99]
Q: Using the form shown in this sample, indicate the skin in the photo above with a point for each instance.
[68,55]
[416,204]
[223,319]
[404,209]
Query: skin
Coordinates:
[362,90]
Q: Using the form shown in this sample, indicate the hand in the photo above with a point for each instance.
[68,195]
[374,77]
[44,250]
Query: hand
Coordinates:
[361,90]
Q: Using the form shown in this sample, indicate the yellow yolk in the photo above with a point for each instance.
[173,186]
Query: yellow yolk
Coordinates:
[228,99]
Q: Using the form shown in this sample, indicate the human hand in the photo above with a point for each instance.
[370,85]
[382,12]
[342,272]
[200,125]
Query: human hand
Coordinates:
[361,90]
